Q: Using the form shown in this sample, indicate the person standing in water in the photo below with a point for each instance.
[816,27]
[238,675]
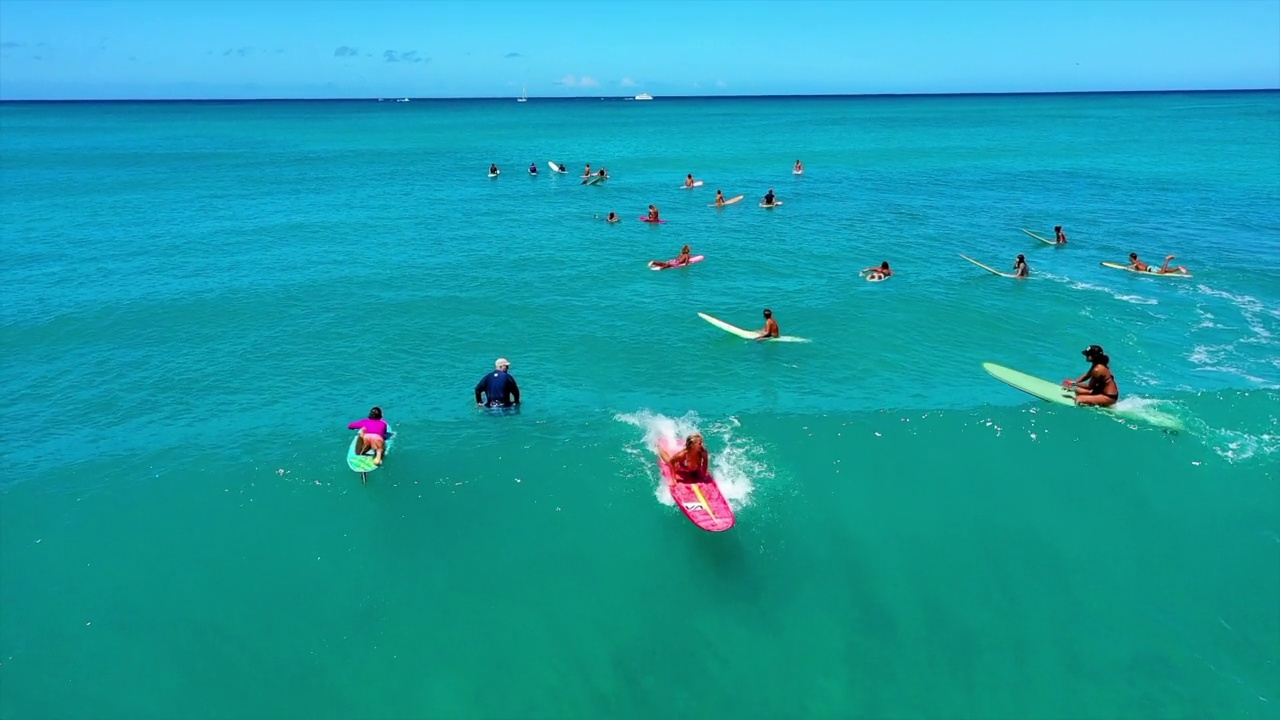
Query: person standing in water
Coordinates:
[587,173]
[1020,268]
[1059,237]
[499,388]
[689,464]
[1097,387]
[770,329]
[373,434]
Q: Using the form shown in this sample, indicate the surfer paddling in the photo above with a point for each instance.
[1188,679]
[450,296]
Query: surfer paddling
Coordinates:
[878,273]
[681,259]
[499,388]
[688,465]
[770,329]
[1059,237]
[373,434]
[1097,386]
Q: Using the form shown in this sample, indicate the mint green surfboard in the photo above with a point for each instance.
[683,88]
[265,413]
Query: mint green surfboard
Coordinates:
[1055,393]
[363,464]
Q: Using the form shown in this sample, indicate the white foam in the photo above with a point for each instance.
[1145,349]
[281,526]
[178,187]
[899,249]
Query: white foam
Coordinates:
[734,462]
[1078,285]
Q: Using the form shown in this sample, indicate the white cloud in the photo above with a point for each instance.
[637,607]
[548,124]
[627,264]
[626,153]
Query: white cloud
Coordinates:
[721,84]
[567,80]
[627,82]
[588,81]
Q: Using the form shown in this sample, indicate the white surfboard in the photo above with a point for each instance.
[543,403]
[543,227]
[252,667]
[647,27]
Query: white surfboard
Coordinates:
[495,174]
[1152,272]
[1043,240]
[777,203]
[556,168]
[730,201]
[746,334]
[696,183]
[991,270]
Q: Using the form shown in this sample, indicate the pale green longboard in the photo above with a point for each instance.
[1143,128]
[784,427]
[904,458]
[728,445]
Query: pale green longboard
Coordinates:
[1055,393]
[1046,241]
[1119,266]
[991,270]
[746,334]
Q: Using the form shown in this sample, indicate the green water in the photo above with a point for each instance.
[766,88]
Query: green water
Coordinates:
[203,295]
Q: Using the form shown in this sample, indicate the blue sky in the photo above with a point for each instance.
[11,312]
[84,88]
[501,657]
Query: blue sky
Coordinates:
[52,49]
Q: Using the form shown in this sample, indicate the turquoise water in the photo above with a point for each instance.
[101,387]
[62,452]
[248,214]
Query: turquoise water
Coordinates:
[198,297]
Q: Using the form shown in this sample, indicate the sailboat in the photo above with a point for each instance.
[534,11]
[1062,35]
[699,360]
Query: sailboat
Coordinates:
[524,96]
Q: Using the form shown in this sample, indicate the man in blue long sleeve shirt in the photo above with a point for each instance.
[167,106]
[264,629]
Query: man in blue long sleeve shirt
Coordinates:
[499,388]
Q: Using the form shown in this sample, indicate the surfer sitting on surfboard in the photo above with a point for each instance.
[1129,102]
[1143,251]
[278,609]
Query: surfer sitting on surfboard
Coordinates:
[493,169]
[877,273]
[681,259]
[770,329]
[798,168]
[499,388]
[719,198]
[613,218]
[690,464]
[533,168]
[1099,385]
[1059,237]
[373,434]
[768,198]
[1020,268]
[688,180]
[653,213]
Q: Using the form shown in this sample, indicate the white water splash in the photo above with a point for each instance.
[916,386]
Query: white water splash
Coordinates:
[734,462]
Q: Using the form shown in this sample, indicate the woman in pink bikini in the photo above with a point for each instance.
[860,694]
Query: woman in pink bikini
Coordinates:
[373,434]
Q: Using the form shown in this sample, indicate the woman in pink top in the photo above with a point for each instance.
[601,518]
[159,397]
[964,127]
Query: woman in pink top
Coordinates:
[373,434]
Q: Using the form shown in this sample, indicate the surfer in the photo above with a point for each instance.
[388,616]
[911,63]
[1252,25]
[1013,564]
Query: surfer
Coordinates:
[604,174]
[1020,268]
[1059,237]
[798,168]
[879,273]
[688,465]
[768,198]
[770,329]
[688,180]
[499,388]
[373,434]
[653,213]
[587,173]
[493,169]
[719,198]
[1097,386]
[681,259]
[1137,264]
[1166,270]
[613,218]
[533,168]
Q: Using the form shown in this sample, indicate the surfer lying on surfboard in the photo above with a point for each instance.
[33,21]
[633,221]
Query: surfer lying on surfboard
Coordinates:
[1097,386]
[373,434]
[770,329]
[877,273]
[1140,266]
[689,464]
[681,259]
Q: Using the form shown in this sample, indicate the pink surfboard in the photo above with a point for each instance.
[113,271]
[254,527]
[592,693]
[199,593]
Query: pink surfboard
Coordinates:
[692,259]
[702,502]
[645,218]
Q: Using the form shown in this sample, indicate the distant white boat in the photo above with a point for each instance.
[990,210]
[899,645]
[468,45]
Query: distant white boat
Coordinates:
[524,96]
[403,100]
[644,96]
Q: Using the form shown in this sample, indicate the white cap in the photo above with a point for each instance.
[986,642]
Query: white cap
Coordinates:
[501,363]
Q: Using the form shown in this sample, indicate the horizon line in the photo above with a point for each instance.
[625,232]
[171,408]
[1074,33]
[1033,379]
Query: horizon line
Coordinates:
[507,98]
